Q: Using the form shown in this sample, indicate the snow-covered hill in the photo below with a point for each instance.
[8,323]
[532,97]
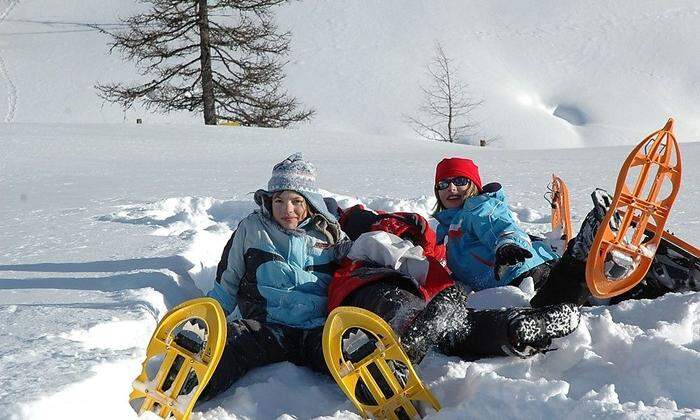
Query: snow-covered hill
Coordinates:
[552,73]
[105,224]
[105,227]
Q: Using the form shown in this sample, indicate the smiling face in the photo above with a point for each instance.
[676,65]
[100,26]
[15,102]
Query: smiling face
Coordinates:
[454,195]
[289,209]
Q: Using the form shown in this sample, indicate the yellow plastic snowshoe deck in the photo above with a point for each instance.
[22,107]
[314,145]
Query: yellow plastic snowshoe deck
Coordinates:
[163,352]
[347,374]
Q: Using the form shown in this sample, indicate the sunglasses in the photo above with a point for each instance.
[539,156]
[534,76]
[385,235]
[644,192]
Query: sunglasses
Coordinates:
[458,181]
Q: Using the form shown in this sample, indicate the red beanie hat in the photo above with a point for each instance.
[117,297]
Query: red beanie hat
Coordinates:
[452,167]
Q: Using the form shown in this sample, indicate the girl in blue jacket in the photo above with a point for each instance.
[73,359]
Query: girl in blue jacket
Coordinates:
[485,246]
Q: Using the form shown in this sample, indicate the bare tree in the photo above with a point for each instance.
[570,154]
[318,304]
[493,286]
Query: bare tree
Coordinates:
[444,113]
[222,58]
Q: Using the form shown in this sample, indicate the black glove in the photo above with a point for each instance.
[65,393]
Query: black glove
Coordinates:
[511,254]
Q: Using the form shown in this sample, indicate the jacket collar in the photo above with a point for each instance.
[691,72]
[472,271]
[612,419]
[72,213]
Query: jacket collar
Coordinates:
[489,191]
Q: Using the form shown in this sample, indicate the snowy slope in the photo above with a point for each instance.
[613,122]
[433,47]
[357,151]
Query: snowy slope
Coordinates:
[552,73]
[105,227]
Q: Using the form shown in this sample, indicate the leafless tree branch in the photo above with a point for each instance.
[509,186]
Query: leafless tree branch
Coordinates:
[445,111]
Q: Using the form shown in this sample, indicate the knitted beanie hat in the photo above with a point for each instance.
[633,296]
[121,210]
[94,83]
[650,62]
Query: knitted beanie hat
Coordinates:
[452,167]
[296,174]
[293,173]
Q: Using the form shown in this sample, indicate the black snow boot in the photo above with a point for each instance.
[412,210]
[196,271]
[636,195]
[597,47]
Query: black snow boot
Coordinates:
[531,330]
[445,318]
[518,332]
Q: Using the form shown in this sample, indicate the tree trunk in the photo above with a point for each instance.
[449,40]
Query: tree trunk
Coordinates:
[205,60]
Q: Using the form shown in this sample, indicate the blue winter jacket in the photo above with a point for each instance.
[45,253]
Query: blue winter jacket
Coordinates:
[475,231]
[276,275]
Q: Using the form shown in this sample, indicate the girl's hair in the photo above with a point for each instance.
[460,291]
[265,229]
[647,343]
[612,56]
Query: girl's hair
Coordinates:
[471,191]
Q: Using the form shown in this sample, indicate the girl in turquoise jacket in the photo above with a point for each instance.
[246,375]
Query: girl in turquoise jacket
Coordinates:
[485,246]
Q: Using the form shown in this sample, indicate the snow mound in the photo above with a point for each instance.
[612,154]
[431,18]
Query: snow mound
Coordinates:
[639,358]
[97,249]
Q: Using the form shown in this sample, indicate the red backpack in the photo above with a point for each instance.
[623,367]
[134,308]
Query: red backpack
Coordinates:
[352,275]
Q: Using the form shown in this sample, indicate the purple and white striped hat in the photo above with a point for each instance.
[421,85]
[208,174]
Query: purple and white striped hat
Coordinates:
[293,173]
[296,174]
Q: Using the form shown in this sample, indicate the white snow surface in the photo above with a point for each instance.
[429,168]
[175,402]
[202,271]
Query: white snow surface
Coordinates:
[105,224]
[552,73]
[105,227]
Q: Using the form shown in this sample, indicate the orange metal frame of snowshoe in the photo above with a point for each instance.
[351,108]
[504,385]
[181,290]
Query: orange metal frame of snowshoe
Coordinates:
[657,150]
[561,212]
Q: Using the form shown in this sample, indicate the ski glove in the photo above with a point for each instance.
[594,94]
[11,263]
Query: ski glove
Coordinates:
[511,254]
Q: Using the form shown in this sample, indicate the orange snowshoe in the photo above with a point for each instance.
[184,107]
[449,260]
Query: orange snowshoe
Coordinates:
[646,189]
[561,213]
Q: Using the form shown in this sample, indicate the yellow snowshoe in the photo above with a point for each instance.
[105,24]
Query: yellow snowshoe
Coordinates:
[180,359]
[367,361]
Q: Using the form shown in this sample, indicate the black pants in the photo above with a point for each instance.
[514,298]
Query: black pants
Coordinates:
[251,344]
[446,323]
[396,305]
[565,282]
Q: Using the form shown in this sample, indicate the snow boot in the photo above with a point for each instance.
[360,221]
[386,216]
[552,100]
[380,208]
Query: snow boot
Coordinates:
[444,320]
[450,326]
[531,330]
[521,332]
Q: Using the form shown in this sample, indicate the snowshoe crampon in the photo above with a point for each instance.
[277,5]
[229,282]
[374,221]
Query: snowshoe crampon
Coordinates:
[561,212]
[180,359]
[646,189]
[366,360]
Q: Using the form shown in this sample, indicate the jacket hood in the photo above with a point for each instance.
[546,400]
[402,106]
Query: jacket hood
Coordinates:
[321,219]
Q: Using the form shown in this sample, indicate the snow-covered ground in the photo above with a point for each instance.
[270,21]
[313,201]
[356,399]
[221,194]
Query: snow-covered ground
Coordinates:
[105,224]
[552,73]
[105,227]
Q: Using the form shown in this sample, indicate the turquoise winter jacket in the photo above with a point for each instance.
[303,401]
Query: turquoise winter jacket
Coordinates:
[276,275]
[475,231]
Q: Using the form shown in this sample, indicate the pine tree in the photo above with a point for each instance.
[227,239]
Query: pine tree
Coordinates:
[223,58]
